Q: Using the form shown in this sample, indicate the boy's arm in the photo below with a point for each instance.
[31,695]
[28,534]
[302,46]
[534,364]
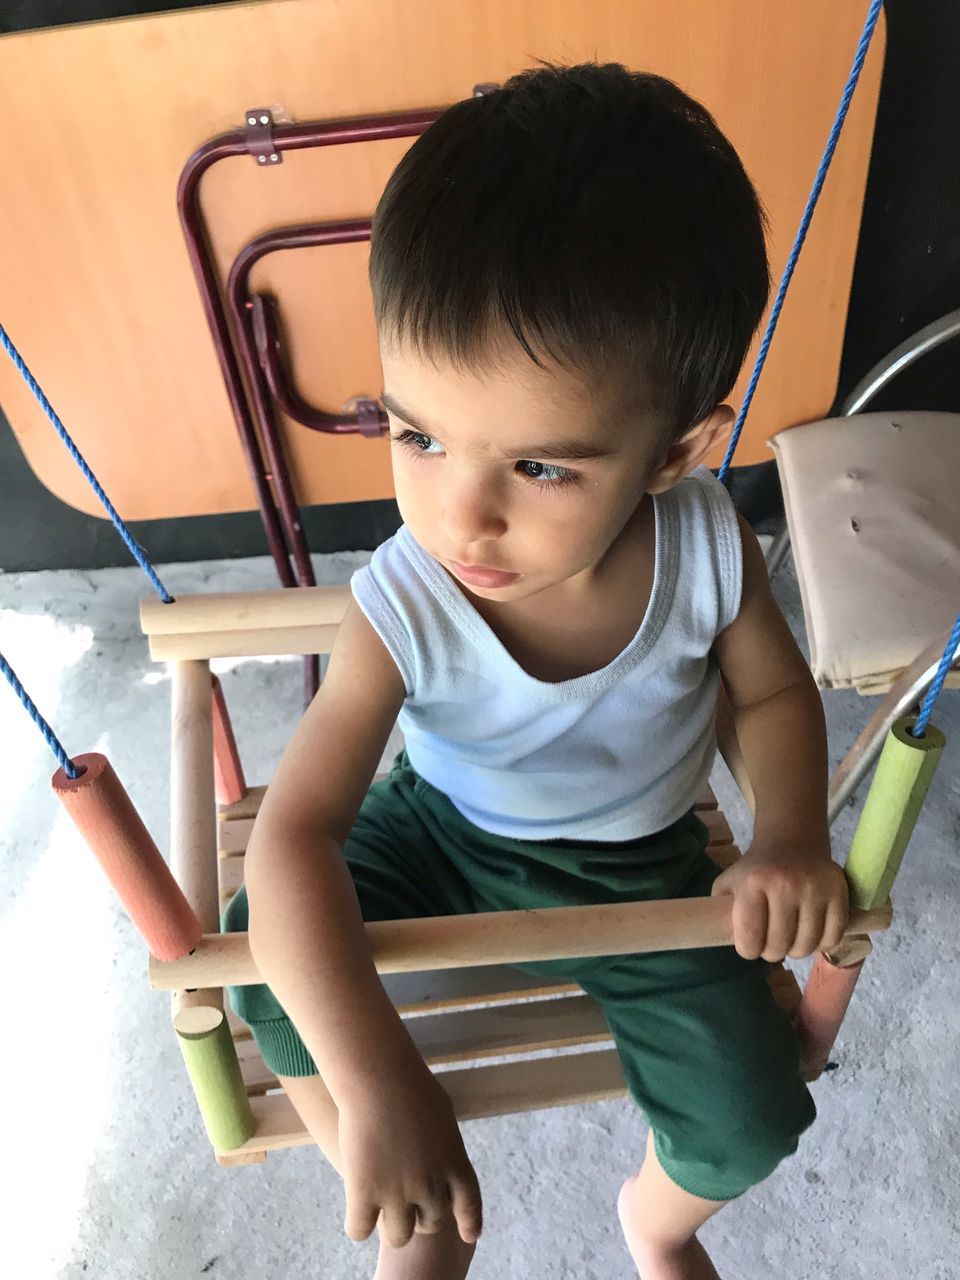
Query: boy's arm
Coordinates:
[790,898]
[306,933]
[400,1148]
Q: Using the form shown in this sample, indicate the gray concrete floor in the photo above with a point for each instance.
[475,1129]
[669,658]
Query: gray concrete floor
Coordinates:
[107,1170]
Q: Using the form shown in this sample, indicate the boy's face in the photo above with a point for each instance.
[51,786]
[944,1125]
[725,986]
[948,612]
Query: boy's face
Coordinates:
[514,479]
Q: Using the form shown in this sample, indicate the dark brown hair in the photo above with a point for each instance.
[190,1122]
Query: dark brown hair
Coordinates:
[597,214]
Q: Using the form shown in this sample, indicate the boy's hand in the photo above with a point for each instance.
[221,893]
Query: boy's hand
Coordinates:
[403,1158]
[788,900]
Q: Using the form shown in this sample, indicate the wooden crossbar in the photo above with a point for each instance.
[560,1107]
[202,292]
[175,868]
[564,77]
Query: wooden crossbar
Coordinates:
[500,937]
[244,624]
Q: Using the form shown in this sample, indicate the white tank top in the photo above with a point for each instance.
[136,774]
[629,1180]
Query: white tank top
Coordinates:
[616,754]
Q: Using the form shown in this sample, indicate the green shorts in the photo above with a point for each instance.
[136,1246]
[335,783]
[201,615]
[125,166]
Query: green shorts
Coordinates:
[707,1052]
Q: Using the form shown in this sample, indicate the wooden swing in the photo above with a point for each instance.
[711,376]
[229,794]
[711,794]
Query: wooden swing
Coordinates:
[454,969]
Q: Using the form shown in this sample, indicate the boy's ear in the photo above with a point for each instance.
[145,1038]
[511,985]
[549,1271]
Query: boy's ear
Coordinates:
[690,450]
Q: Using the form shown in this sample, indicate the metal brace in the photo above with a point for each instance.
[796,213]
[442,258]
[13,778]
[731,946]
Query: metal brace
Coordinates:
[258,135]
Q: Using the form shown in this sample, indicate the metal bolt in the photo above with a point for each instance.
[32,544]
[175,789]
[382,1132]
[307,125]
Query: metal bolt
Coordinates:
[264,119]
[251,119]
[274,159]
[262,159]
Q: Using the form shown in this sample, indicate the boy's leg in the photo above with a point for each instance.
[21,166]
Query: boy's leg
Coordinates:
[713,1063]
[443,1256]
[660,1221]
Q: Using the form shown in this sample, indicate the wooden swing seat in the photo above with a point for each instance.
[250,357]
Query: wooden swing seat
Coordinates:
[460,1017]
[463,1016]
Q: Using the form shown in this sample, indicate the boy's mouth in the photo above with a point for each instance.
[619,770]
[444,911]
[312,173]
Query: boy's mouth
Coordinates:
[475,575]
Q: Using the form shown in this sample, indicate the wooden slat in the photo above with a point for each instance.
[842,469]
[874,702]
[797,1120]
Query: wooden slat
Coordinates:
[511,1087]
[476,1092]
[451,989]
[236,820]
[248,807]
[478,1033]
[230,875]
[279,642]
[447,989]
[724,855]
[716,823]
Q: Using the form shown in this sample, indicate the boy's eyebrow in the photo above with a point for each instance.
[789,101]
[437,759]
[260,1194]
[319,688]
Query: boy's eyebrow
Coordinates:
[570,450]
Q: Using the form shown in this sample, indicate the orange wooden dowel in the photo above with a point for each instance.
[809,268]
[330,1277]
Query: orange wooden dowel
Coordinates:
[229,782]
[108,821]
[823,1007]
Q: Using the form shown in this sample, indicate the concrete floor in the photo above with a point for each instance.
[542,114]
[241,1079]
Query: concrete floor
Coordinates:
[108,1172]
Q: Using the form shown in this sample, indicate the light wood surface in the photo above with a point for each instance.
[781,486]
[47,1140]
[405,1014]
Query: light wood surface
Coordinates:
[500,937]
[476,1092]
[99,119]
[193,828]
[245,611]
[193,813]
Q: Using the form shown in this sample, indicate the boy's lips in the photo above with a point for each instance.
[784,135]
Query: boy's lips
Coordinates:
[476,575]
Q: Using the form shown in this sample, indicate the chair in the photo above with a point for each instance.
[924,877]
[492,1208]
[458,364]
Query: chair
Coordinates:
[875,534]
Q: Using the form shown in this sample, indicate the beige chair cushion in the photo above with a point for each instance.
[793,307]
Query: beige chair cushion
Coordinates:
[873,507]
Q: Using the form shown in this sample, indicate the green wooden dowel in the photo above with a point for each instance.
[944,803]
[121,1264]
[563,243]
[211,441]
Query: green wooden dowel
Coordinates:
[211,1059]
[902,776]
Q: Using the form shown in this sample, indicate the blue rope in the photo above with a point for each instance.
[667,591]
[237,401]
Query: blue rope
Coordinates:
[53,742]
[933,693]
[841,116]
[137,552]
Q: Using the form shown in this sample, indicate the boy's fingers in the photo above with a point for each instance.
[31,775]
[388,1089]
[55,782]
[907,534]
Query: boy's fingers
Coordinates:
[467,1206]
[361,1218]
[809,931]
[397,1224]
[750,913]
[781,931]
[836,922]
[432,1216]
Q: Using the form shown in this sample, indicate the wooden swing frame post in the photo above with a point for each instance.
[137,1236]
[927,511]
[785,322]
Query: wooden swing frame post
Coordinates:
[199,1018]
[890,811]
[230,784]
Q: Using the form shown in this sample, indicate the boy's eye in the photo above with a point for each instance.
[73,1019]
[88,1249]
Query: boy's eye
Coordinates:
[417,440]
[543,472]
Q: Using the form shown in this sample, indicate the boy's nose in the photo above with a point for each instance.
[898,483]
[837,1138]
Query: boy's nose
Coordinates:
[471,513]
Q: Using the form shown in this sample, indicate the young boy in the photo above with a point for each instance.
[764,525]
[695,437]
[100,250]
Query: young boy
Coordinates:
[567,274]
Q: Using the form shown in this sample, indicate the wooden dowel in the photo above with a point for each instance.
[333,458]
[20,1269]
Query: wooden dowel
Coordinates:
[246,611]
[211,1061]
[823,1007]
[193,812]
[198,1014]
[279,641]
[229,782]
[890,811]
[114,831]
[501,937]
